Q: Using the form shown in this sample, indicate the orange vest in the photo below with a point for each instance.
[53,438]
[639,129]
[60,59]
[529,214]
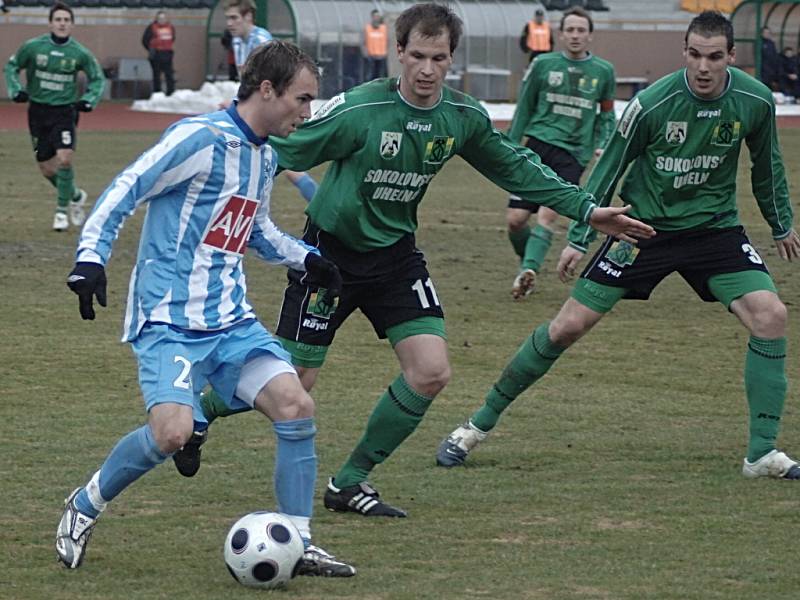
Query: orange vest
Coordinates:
[376,40]
[163,36]
[538,36]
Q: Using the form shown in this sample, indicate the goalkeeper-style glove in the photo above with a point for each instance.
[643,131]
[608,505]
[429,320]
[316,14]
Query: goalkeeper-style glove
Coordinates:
[21,96]
[88,279]
[324,274]
[84,106]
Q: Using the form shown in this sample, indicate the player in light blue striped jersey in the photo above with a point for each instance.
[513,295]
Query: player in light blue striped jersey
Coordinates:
[207,186]
[247,36]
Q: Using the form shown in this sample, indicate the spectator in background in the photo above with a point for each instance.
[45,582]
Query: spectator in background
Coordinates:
[770,61]
[3,6]
[158,39]
[227,43]
[376,47]
[790,73]
[537,37]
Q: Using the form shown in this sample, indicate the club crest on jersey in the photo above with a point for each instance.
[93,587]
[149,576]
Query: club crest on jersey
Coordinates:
[390,144]
[676,132]
[231,228]
[41,60]
[555,78]
[587,85]
[438,149]
[726,133]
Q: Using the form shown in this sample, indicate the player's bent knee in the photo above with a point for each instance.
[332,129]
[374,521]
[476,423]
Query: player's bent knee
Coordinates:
[769,320]
[171,436]
[428,379]
[517,219]
[573,321]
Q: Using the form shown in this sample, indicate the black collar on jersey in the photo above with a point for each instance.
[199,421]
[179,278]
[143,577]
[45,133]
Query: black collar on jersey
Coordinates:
[251,136]
[58,40]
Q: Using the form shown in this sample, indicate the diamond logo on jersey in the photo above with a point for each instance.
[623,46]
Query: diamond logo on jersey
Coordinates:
[555,78]
[438,149]
[726,133]
[622,253]
[231,228]
[390,143]
[676,132]
[41,60]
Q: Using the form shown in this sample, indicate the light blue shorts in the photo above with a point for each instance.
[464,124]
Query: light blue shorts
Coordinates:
[175,364]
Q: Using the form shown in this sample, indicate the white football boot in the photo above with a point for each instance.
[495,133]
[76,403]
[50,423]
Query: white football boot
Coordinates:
[60,222]
[773,464]
[455,447]
[74,531]
[77,213]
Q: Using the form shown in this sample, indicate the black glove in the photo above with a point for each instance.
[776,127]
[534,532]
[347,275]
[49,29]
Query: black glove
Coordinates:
[21,96]
[83,106]
[87,279]
[324,274]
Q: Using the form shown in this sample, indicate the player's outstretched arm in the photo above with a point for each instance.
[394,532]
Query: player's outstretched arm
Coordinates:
[613,221]
[789,247]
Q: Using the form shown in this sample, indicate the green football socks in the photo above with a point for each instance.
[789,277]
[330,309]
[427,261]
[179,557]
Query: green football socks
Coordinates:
[536,248]
[214,406]
[533,359]
[765,385]
[519,240]
[397,414]
[65,185]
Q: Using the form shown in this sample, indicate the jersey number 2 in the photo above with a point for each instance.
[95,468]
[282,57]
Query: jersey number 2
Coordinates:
[182,381]
[422,294]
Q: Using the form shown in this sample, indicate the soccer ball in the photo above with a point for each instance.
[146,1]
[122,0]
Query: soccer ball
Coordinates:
[263,550]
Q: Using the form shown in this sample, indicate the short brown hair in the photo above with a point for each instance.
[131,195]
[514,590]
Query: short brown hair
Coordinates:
[577,11]
[277,62]
[430,20]
[243,6]
[57,5]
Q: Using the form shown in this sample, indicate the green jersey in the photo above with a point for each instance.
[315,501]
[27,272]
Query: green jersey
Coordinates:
[385,152]
[685,154]
[559,103]
[51,71]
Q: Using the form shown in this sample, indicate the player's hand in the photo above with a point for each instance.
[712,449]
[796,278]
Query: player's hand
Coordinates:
[87,280]
[567,263]
[324,274]
[789,247]
[612,220]
[84,106]
[21,97]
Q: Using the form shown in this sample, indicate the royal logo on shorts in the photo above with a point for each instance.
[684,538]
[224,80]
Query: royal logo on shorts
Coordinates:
[231,227]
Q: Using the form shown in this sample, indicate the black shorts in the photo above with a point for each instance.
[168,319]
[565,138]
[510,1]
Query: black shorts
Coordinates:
[52,128]
[390,286]
[696,255]
[562,162]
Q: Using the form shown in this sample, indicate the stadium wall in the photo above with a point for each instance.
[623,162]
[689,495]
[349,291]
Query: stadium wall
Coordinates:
[635,53]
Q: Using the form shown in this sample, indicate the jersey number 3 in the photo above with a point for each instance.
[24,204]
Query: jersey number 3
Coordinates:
[752,254]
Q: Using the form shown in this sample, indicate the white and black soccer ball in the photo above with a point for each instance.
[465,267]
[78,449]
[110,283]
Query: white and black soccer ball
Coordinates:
[263,550]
